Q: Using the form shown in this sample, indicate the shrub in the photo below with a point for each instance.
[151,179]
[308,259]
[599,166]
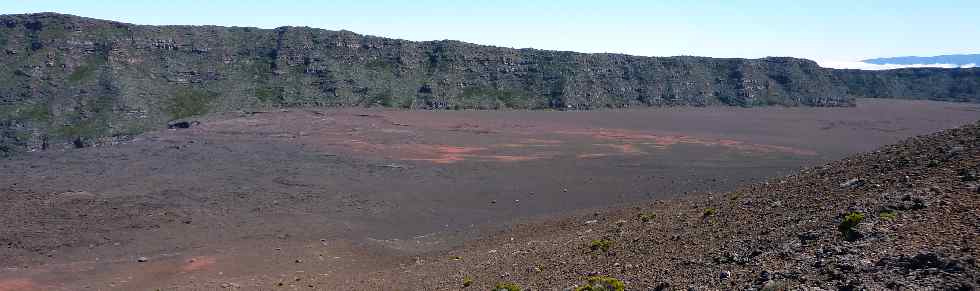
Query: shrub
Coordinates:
[888,215]
[506,287]
[467,282]
[846,226]
[600,283]
[710,211]
[646,217]
[601,244]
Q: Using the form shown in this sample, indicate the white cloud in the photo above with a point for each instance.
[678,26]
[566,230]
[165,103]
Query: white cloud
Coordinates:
[867,66]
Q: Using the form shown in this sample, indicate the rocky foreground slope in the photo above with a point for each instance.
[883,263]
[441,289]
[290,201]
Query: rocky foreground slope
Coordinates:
[71,79]
[904,217]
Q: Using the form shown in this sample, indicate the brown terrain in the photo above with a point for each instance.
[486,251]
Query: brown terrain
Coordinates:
[358,199]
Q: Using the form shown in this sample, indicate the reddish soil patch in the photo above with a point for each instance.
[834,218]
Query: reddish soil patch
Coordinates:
[18,285]
[198,263]
[626,148]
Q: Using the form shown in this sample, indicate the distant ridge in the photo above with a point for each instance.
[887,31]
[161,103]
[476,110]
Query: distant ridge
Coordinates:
[958,60]
[69,80]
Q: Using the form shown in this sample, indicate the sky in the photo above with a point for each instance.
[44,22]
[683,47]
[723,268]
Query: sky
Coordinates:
[829,31]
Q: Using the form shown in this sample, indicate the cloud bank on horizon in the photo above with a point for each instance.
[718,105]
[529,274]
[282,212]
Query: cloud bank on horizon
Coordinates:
[868,66]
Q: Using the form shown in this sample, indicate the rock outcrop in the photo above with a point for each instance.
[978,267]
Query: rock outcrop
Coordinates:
[68,78]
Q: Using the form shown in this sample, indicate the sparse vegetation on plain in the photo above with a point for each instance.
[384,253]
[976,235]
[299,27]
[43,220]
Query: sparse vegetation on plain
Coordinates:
[507,287]
[846,226]
[602,283]
[601,244]
[709,211]
[646,217]
[888,215]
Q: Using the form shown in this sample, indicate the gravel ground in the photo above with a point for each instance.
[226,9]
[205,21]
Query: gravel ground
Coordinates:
[920,231]
[413,200]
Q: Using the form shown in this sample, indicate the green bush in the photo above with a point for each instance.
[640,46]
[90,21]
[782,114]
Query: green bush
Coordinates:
[467,282]
[601,244]
[646,217]
[600,283]
[710,211]
[846,226]
[506,287]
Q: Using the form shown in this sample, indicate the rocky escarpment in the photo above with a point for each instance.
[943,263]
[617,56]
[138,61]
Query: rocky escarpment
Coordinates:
[960,85]
[86,81]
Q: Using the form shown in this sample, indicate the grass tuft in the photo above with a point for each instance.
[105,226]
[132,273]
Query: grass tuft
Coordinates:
[601,244]
[601,283]
[646,217]
[710,211]
[888,215]
[506,287]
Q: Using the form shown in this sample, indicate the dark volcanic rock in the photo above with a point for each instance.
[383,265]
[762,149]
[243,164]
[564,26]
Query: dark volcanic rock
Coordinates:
[181,124]
[66,77]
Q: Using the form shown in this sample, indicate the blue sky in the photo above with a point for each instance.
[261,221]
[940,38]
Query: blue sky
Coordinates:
[826,30]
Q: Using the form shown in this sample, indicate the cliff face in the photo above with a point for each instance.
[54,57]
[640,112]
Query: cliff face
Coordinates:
[67,78]
[959,85]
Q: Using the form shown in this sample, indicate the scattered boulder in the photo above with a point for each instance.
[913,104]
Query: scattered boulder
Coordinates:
[182,124]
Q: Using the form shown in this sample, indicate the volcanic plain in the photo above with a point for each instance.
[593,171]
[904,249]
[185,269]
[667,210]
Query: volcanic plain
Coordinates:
[304,198]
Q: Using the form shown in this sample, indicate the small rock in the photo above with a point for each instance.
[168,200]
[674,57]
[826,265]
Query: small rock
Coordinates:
[764,276]
[227,285]
[852,183]
[142,259]
[725,275]
[954,151]
[809,236]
